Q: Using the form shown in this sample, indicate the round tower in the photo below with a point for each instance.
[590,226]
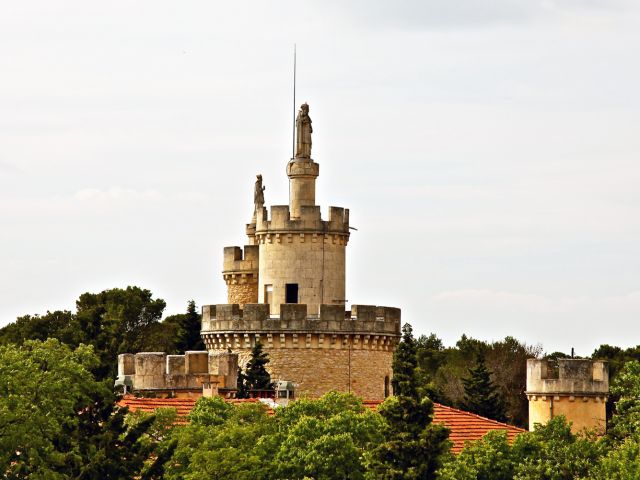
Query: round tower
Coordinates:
[286,290]
[302,256]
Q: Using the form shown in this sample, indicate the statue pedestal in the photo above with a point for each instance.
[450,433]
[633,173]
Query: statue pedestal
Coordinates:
[302,173]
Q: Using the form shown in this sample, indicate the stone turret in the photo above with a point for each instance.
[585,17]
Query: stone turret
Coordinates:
[575,388]
[240,273]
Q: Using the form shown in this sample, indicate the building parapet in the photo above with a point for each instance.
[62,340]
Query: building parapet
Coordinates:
[310,220]
[365,319]
[567,376]
[238,260]
[241,266]
[193,371]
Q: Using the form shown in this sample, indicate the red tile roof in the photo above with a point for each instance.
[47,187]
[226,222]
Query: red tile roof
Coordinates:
[467,427]
[464,426]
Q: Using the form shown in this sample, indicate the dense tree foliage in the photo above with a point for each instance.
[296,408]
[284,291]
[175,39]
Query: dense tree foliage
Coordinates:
[617,358]
[626,386]
[480,394]
[442,371]
[59,417]
[113,321]
[551,452]
[321,439]
[184,329]
[58,421]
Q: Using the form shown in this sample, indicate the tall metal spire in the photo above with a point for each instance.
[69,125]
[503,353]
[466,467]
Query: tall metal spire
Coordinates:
[293,140]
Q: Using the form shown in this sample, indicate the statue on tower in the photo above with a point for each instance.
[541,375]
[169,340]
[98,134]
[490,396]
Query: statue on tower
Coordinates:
[303,132]
[258,193]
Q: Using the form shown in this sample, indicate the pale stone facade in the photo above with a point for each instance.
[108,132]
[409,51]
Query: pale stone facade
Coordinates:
[188,375]
[286,289]
[575,388]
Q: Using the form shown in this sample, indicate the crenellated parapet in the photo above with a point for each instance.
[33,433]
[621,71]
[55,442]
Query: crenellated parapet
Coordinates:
[241,266]
[156,373]
[279,223]
[363,327]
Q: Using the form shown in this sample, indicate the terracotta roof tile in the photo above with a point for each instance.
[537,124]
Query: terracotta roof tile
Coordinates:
[464,426]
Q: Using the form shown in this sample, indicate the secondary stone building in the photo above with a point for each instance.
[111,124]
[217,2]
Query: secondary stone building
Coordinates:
[575,388]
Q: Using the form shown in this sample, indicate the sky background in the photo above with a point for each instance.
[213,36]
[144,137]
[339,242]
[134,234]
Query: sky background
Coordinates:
[487,150]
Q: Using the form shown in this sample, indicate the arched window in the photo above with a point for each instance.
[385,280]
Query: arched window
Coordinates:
[386,386]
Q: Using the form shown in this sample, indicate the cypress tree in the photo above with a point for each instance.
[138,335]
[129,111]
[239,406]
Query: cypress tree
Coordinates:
[481,396]
[256,375]
[413,447]
[243,391]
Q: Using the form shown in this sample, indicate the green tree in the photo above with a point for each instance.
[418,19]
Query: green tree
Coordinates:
[223,441]
[621,463]
[626,387]
[441,371]
[326,438]
[256,375]
[323,439]
[552,452]
[242,389]
[185,328]
[113,321]
[191,327]
[118,321]
[430,356]
[413,447]
[58,421]
[58,324]
[480,394]
[490,458]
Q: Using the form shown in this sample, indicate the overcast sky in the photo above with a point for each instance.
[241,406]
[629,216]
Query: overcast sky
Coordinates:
[487,149]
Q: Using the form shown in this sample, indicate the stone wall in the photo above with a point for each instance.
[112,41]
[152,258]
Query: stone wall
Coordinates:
[242,293]
[337,350]
[316,371]
[584,412]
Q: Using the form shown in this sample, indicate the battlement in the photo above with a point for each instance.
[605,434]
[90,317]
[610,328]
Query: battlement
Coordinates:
[237,261]
[568,376]
[309,220]
[157,371]
[361,319]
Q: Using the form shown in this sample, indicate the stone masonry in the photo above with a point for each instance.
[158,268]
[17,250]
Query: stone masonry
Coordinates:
[347,351]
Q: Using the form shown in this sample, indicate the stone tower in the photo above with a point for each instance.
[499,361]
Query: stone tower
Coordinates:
[575,388]
[286,289]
